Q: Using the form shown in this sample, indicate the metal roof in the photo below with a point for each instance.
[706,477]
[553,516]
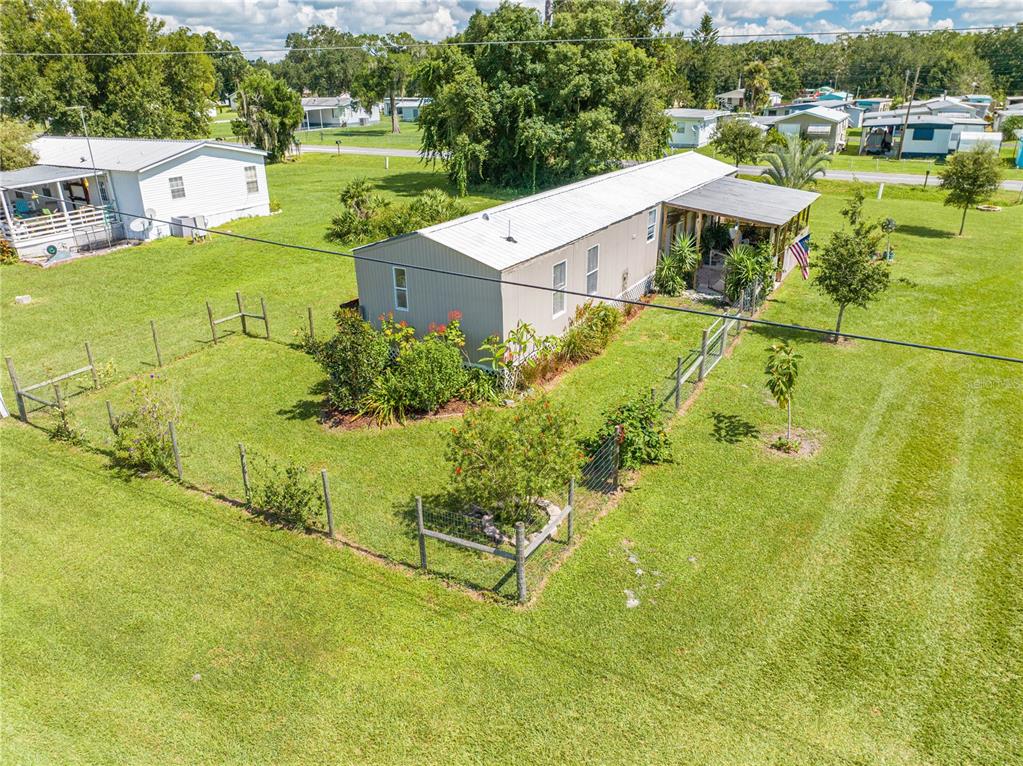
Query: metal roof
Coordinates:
[918,119]
[325,102]
[698,114]
[746,200]
[831,115]
[737,93]
[39,174]
[128,154]
[546,221]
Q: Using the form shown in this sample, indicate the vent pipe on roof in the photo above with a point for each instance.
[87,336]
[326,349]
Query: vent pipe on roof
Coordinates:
[510,238]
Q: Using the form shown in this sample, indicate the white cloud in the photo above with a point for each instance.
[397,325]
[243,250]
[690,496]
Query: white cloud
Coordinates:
[991,11]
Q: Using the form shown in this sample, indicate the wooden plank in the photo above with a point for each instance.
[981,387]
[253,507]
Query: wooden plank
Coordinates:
[548,530]
[92,365]
[226,319]
[57,379]
[37,399]
[468,544]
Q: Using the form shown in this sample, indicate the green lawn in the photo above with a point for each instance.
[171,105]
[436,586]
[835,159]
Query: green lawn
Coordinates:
[220,126]
[378,135]
[865,605]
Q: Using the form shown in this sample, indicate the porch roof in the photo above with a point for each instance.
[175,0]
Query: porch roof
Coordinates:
[38,174]
[749,201]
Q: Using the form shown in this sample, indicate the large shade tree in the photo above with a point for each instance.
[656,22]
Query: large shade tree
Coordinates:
[387,72]
[269,113]
[15,144]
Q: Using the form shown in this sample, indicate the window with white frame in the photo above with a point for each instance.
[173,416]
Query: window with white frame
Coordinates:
[559,281]
[251,179]
[177,187]
[651,224]
[400,289]
[592,265]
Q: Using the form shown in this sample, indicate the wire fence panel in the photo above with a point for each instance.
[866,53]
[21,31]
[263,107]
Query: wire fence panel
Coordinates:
[600,474]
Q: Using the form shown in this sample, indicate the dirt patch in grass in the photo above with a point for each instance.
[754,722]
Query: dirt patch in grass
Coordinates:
[809,444]
[344,421]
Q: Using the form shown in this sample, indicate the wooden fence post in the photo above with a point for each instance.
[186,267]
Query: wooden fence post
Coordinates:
[59,397]
[326,500]
[111,418]
[422,537]
[156,344]
[520,560]
[571,506]
[266,318]
[653,394]
[92,365]
[309,311]
[678,384]
[616,453]
[213,325]
[245,475]
[241,310]
[174,446]
[22,412]
[703,355]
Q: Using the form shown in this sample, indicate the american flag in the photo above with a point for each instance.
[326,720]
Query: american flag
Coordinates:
[800,250]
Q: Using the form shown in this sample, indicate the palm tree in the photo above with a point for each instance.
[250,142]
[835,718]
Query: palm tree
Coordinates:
[796,163]
[676,265]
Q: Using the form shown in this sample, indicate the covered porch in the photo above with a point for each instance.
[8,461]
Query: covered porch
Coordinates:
[50,210]
[730,211]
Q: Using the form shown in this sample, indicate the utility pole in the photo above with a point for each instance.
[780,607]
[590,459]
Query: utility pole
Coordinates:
[909,104]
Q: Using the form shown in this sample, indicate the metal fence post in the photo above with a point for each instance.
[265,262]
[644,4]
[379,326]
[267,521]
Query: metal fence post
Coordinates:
[22,412]
[241,310]
[520,560]
[678,383]
[309,311]
[156,344]
[266,319]
[213,325]
[111,418]
[571,507]
[174,446]
[616,453]
[422,537]
[245,475]
[326,500]
[92,365]
[703,355]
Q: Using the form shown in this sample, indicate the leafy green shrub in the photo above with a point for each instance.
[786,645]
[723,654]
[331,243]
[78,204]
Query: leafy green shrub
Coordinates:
[505,459]
[360,213]
[142,442]
[430,207]
[744,265]
[675,268]
[8,255]
[287,492]
[353,358]
[591,329]
[275,205]
[67,430]
[385,400]
[644,440]
[788,446]
[480,387]
[429,375]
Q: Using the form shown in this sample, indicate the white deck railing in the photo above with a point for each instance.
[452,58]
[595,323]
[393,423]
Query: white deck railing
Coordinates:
[54,225]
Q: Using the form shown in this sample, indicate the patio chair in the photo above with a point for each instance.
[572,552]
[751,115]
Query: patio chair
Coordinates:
[22,208]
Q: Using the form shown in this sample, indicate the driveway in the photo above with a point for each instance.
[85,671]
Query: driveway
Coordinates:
[371,150]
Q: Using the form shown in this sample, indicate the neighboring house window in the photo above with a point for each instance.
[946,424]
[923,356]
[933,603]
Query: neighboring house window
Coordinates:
[592,263]
[651,224]
[400,289]
[177,187]
[560,277]
[251,179]
[923,134]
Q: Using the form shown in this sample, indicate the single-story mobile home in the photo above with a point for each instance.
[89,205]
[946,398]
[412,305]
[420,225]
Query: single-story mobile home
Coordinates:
[817,122]
[89,193]
[336,112]
[407,107]
[599,237]
[692,128]
[732,99]
[928,135]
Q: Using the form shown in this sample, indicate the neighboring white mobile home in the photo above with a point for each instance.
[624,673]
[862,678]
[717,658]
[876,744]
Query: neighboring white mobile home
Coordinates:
[817,122]
[85,193]
[927,135]
[336,112]
[692,128]
[407,107]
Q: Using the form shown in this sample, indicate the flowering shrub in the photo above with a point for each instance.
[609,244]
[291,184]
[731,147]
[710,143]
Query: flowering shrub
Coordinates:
[504,460]
[430,374]
[397,334]
[142,443]
[353,358]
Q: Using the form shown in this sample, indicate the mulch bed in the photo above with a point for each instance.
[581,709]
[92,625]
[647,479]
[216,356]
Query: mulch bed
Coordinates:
[345,421]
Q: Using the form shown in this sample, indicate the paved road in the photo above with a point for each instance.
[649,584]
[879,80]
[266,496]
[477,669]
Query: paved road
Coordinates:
[371,150]
[836,175]
[871,177]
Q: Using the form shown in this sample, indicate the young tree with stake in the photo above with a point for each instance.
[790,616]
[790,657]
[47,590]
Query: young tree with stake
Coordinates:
[970,177]
[782,370]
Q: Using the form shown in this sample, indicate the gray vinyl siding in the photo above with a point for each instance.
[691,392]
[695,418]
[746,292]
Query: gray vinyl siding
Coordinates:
[430,296]
[625,258]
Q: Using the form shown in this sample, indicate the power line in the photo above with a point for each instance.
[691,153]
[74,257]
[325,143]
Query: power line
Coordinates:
[544,288]
[476,43]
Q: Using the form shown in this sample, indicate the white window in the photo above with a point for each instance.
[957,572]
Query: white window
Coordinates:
[251,179]
[400,289]
[592,264]
[560,277]
[177,187]
[651,224]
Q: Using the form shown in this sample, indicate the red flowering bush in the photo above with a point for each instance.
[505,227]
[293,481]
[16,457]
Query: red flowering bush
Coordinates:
[503,460]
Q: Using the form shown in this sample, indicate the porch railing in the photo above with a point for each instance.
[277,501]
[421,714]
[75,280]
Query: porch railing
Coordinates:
[41,226]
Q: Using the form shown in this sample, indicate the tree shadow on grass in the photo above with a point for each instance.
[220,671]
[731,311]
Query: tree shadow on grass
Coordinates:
[410,184]
[307,409]
[732,429]
[925,231]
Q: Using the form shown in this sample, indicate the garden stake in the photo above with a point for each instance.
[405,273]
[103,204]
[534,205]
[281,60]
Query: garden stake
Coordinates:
[213,325]
[156,343]
[111,418]
[245,476]
[174,445]
[520,560]
[92,365]
[266,319]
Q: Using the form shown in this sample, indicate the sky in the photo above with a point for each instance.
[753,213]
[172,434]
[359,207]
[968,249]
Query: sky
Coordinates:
[263,24]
